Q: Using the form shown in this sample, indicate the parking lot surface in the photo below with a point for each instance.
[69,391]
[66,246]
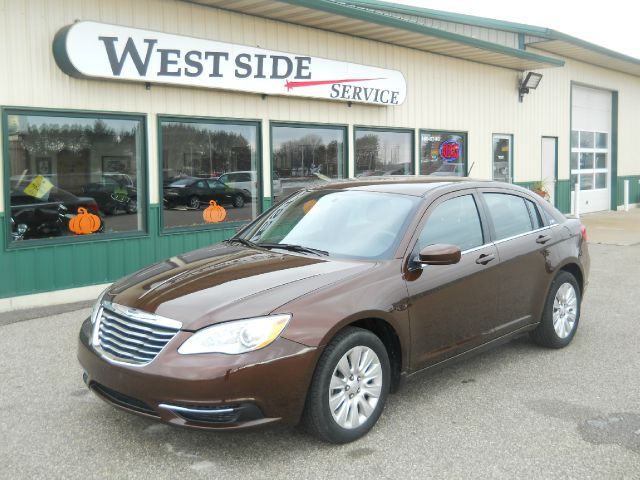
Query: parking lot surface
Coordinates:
[518,411]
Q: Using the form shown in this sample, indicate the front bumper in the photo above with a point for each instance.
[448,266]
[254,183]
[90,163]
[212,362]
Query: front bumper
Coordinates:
[206,391]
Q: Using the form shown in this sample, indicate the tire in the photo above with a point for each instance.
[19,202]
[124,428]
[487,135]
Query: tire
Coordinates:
[348,416]
[563,300]
[194,202]
[238,201]
[132,206]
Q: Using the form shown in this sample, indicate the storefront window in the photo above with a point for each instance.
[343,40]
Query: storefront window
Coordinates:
[383,152]
[305,156]
[443,153]
[209,161]
[74,174]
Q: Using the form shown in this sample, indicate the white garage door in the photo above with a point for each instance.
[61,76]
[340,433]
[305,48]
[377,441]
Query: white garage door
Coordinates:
[590,148]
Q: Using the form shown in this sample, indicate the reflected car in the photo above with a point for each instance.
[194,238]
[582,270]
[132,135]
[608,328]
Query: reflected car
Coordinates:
[327,302]
[49,216]
[113,195]
[247,181]
[196,192]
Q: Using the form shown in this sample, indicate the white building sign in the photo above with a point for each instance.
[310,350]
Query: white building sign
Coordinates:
[99,50]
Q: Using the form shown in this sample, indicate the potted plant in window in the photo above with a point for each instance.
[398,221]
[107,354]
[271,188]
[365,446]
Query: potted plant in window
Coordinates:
[539,188]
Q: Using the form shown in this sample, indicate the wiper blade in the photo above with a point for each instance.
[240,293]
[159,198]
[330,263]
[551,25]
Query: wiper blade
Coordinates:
[241,241]
[294,248]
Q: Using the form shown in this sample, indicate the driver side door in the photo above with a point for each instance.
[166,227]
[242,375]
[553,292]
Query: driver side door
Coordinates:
[452,308]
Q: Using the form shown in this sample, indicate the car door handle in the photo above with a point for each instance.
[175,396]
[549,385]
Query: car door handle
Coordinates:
[543,239]
[485,258]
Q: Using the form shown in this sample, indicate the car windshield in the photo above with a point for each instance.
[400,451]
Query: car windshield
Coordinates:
[182,182]
[354,224]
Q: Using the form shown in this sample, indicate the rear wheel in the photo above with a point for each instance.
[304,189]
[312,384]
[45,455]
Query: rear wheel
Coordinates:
[349,388]
[238,201]
[561,313]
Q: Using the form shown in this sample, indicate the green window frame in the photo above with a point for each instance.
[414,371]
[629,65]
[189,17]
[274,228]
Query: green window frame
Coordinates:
[141,172]
[186,119]
[411,132]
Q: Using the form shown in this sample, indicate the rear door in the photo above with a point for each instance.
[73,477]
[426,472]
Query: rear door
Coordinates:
[523,242]
[451,306]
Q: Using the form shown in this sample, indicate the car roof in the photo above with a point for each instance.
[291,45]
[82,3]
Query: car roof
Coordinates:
[405,184]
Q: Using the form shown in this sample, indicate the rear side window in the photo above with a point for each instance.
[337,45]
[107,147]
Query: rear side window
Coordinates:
[536,220]
[510,214]
[455,222]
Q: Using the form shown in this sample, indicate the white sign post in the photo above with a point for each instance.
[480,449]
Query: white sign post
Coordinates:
[104,51]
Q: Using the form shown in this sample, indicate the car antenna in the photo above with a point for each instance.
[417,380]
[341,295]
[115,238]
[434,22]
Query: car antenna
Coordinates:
[470,168]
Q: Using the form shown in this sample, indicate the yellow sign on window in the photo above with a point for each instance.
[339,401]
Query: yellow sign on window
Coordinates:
[39,187]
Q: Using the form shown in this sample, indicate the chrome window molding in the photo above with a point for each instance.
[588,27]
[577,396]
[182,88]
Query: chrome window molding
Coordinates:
[502,240]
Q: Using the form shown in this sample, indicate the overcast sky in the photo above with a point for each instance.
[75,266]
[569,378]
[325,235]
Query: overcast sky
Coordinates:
[614,24]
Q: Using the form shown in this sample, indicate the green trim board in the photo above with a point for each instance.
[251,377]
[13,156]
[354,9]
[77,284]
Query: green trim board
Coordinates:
[520,28]
[614,151]
[563,195]
[143,186]
[213,121]
[55,267]
[370,16]
[634,189]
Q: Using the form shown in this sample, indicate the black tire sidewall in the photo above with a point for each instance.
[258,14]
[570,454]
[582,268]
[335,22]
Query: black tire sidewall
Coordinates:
[238,201]
[546,329]
[326,426]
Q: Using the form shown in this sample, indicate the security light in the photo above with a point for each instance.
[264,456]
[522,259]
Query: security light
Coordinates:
[530,82]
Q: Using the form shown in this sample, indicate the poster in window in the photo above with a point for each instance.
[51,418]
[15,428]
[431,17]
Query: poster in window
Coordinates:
[442,154]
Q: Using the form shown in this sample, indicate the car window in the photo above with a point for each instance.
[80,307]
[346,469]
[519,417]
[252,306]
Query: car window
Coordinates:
[455,222]
[509,213]
[244,177]
[200,184]
[226,178]
[536,220]
[215,183]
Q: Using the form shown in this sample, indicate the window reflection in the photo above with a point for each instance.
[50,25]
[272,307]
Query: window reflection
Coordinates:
[62,166]
[305,156]
[381,152]
[204,162]
[443,154]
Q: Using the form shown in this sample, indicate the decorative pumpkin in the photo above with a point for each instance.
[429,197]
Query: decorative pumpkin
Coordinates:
[308,205]
[84,223]
[214,213]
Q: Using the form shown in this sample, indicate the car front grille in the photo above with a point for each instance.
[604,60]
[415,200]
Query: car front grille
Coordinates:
[131,336]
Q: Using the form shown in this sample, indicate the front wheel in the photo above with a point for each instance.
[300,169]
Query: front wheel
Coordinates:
[349,387]
[561,313]
[194,202]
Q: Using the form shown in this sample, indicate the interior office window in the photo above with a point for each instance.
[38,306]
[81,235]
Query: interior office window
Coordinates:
[72,174]
[443,153]
[383,152]
[204,161]
[502,157]
[306,156]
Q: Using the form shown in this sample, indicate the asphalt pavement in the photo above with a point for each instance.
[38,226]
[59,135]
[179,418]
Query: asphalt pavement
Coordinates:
[518,411]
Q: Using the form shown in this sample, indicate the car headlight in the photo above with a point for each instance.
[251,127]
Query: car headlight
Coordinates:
[97,307]
[238,336]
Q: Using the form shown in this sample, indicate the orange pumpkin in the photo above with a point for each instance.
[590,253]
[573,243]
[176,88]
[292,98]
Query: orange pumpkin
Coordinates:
[84,223]
[308,205]
[214,213]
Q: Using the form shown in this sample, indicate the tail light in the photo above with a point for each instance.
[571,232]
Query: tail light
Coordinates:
[583,232]
[92,207]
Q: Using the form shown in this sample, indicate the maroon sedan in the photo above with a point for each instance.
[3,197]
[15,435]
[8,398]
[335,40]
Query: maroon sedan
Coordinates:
[321,306]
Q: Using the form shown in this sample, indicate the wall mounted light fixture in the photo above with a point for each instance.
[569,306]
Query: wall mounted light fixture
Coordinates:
[530,82]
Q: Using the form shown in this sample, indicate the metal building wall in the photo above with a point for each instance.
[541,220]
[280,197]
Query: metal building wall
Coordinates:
[443,93]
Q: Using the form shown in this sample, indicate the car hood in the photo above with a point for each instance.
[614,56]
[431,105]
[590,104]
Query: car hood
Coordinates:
[226,282]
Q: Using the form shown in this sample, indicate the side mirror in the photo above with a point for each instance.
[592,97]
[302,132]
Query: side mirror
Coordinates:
[439,254]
